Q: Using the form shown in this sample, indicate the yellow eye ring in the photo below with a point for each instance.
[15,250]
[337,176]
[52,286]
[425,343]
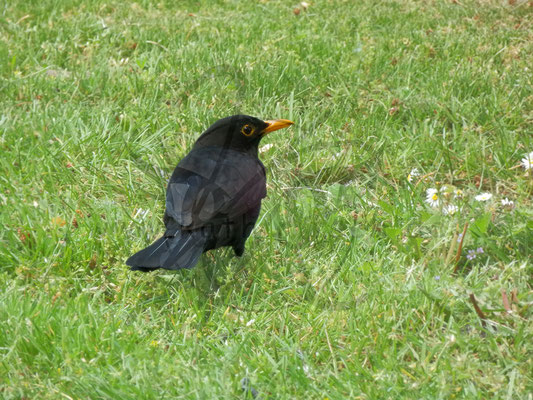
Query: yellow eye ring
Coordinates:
[247,130]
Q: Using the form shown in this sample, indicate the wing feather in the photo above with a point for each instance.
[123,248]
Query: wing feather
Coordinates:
[211,185]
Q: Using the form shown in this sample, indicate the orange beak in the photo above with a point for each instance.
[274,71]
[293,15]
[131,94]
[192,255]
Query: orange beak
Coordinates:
[275,124]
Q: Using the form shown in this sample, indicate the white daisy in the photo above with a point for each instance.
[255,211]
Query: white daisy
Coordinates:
[483,197]
[413,174]
[458,193]
[432,197]
[527,161]
[506,203]
[450,209]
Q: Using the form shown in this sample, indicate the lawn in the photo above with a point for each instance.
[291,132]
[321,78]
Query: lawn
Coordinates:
[393,255]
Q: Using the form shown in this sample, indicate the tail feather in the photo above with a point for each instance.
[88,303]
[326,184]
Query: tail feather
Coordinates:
[174,252]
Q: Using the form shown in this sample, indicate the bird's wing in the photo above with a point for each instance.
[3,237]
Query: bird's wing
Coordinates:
[211,185]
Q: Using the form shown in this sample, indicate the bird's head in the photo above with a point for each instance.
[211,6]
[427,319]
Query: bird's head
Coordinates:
[239,132]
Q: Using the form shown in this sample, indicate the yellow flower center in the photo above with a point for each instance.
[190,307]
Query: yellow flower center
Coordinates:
[435,197]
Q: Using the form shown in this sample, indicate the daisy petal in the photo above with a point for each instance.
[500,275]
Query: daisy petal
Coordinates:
[483,197]
[527,161]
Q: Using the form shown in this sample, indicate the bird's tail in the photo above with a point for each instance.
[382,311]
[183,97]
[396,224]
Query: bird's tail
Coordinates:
[178,251]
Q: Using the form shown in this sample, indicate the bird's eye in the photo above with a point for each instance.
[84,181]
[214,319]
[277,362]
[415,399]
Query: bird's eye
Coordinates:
[247,130]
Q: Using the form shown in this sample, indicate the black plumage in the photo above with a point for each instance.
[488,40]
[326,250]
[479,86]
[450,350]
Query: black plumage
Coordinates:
[214,195]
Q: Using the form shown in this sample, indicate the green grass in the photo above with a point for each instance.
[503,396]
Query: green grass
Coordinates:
[346,289]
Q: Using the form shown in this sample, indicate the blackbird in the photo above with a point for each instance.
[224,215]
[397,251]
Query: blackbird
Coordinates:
[213,196]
